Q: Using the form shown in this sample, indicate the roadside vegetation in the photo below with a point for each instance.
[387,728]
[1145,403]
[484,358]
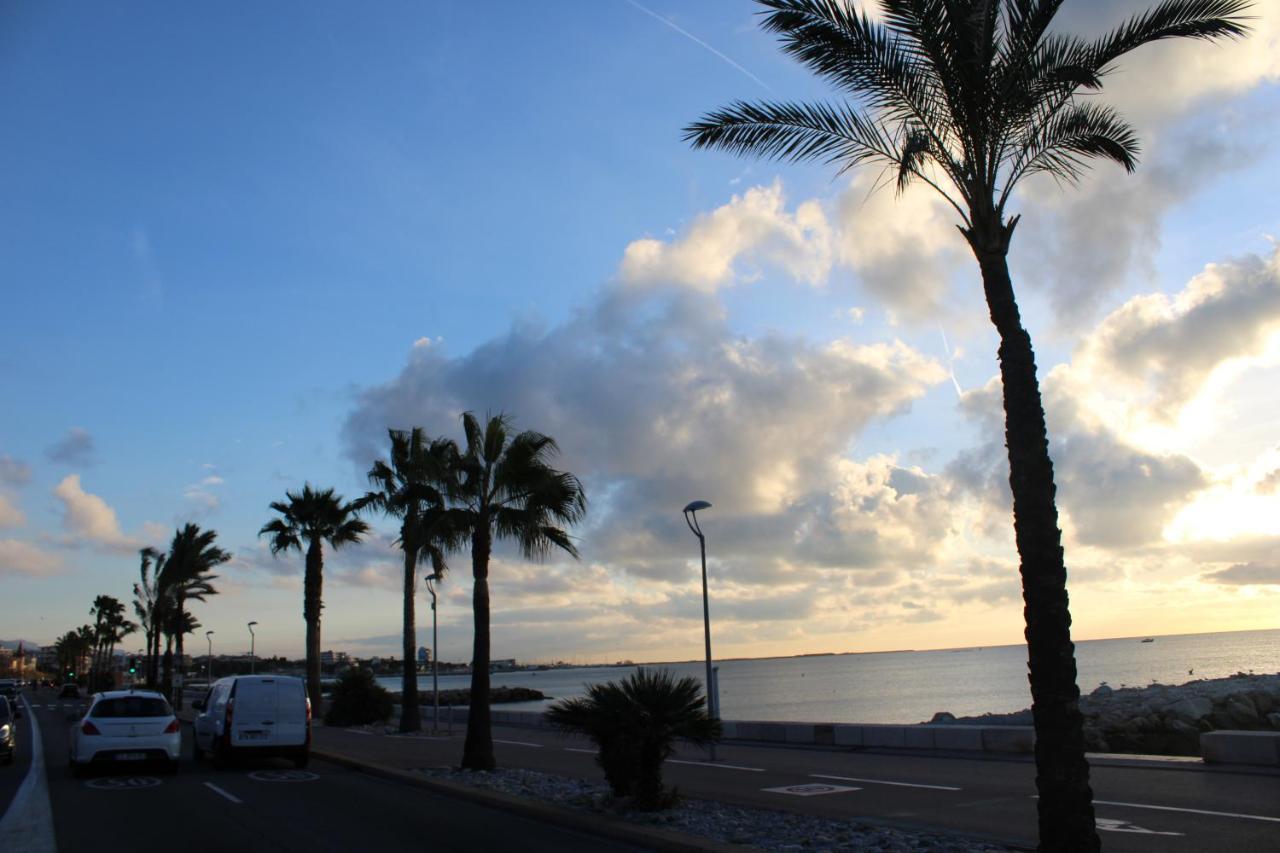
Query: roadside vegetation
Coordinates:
[634,724]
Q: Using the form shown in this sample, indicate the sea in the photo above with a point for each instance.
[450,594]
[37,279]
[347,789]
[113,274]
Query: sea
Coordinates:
[910,686]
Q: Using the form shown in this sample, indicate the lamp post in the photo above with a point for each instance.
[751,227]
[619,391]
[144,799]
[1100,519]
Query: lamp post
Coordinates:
[252,639]
[435,655]
[691,519]
[208,669]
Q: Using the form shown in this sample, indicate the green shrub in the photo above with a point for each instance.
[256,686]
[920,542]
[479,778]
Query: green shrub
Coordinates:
[358,700]
[634,724]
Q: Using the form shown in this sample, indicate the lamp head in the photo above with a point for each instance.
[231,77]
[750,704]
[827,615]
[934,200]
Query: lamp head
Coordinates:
[694,506]
[251,624]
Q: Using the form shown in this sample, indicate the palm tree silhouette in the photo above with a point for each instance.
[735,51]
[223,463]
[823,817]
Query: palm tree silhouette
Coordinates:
[405,491]
[186,576]
[313,517]
[970,97]
[502,487]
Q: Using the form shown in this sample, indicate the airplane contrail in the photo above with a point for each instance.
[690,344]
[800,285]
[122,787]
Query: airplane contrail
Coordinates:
[699,41]
[951,362]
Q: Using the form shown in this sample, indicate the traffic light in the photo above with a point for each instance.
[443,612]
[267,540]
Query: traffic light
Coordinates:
[133,666]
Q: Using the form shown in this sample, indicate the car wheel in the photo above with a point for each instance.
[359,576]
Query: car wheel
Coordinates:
[301,760]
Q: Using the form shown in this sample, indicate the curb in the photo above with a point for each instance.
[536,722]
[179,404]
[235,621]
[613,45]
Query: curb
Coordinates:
[602,826]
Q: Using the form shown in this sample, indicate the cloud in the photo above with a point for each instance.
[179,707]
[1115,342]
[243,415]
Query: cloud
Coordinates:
[90,520]
[10,514]
[201,495]
[75,448]
[1243,574]
[14,472]
[734,243]
[23,558]
[1163,350]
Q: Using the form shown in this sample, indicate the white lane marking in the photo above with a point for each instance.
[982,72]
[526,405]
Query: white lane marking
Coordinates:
[884,782]
[28,823]
[518,743]
[1105,824]
[576,749]
[232,797]
[715,764]
[1187,811]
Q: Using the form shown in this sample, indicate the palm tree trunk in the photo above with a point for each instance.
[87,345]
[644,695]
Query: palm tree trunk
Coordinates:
[410,720]
[1062,773]
[311,603]
[166,684]
[180,682]
[477,751]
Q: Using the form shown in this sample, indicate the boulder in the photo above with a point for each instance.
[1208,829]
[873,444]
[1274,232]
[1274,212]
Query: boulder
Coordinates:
[943,717]
[1191,709]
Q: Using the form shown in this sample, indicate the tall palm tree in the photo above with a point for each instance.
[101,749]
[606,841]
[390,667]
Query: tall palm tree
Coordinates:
[970,97]
[404,489]
[502,487]
[146,606]
[109,628]
[187,576]
[313,517]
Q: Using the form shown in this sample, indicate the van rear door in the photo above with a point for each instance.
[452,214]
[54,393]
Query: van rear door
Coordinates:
[291,717]
[253,722]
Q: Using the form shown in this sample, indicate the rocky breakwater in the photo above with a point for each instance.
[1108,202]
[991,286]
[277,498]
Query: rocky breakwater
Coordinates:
[1162,719]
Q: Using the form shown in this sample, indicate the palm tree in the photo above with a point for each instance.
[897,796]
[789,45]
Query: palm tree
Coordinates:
[313,517]
[634,724]
[970,97]
[110,627]
[187,575]
[146,606]
[502,487]
[405,490]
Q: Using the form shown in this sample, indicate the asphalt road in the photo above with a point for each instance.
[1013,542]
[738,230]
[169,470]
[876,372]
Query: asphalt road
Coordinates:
[1166,807]
[268,806]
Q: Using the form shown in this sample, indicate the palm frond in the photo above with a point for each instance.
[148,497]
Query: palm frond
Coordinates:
[795,132]
[1197,19]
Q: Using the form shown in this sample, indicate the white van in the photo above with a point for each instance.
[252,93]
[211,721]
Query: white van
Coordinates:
[259,715]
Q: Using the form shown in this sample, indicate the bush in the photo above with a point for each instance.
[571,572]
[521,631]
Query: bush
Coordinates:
[358,700]
[634,724]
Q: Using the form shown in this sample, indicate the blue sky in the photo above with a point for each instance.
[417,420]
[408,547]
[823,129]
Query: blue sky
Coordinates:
[223,230]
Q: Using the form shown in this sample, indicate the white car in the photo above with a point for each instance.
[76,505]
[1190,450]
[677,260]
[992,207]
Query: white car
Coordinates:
[254,715]
[126,726]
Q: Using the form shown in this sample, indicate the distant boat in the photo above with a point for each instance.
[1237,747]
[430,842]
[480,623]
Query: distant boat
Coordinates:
[1149,640]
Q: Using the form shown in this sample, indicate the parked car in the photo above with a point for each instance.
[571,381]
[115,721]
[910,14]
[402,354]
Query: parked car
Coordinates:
[254,715]
[69,691]
[10,688]
[9,714]
[126,726]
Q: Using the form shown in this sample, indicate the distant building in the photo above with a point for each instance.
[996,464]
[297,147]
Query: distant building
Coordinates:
[330,658]
[424,654]
[503,664]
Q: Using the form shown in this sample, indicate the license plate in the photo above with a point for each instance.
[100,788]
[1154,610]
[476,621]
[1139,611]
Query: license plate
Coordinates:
[251,735]
[131,756]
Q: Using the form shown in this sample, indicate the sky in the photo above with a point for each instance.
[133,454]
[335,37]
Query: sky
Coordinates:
[237,244]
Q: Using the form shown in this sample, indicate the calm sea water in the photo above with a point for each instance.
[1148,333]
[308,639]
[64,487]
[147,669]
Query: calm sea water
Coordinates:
[908,687]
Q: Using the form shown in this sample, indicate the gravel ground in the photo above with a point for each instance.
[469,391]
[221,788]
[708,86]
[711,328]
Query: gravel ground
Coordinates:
[761,829]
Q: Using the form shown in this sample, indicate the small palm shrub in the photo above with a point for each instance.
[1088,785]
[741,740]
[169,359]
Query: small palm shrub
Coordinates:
[358,700]
[634,725]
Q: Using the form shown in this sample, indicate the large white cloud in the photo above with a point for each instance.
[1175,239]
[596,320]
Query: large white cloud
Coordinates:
[90,520]
[735,242]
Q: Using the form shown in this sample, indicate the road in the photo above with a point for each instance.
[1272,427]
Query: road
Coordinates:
[1172,807]
[264,805]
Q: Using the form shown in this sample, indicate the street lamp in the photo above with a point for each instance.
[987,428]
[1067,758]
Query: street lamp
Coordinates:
[208,669]
[435,654]
[252,638]
[691,519]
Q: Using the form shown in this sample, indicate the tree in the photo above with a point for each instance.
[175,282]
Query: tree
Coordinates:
[109,628]
[634,725]
[502,487]
[405,490]
[313,517]
[970,97]
[146,606]
[186,576]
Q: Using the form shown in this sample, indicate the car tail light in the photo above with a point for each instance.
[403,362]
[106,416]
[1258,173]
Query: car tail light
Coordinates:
[172,727]
[89,728]
[308,709]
